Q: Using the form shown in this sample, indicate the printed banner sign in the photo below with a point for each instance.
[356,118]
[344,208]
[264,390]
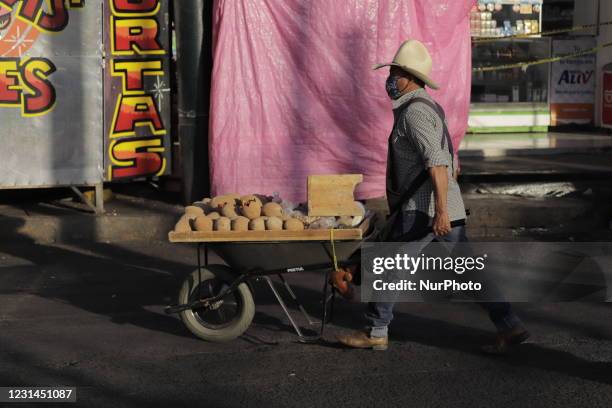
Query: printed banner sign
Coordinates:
[572,95]
[137,89]
[50,93]
[59,122]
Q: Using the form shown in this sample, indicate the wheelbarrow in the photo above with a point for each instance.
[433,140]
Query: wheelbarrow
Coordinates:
[216,303]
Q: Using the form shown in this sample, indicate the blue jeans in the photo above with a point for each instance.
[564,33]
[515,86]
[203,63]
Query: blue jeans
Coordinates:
[414,227]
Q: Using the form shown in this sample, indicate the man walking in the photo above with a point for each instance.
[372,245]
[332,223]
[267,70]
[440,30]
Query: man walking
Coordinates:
[422,186]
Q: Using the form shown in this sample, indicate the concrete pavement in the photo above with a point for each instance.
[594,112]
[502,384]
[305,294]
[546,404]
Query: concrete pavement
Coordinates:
[82,298]
[91,315]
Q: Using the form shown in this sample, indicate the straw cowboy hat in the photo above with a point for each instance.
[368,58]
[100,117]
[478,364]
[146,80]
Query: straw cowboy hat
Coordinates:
[413,58]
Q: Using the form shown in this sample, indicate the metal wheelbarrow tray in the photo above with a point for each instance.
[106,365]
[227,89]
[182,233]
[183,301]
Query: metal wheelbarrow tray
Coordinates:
[215,301]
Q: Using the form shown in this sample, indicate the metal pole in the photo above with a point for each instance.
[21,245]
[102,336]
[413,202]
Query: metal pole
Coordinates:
[284,307]
[99,194]
[193,25]
[598,17]
[200,272]
[296,300]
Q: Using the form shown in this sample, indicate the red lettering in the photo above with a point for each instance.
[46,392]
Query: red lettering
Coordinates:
[133,72]
[57,20]
[137,111]
[41,97]
[136,34]
[29,9]
[133,158]
[135,6]
[10,91]
[52,18]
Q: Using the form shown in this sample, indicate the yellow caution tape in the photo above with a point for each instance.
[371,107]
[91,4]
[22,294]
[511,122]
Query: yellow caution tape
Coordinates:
[527,64]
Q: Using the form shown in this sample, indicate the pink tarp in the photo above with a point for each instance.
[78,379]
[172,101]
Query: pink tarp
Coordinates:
[294,92]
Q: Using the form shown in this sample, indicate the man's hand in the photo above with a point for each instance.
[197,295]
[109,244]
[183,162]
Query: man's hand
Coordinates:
[441,224]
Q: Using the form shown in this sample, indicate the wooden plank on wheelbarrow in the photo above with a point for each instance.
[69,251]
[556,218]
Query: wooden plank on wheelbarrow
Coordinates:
[333,195]
[262,236]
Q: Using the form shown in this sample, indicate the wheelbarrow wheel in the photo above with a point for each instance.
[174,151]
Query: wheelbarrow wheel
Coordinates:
[226,319]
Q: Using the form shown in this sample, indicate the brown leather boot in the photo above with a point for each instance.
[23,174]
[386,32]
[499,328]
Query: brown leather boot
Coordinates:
[362,340]
[505,341]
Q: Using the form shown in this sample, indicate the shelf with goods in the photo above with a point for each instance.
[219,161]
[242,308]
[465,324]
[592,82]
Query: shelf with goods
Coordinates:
[516,99]
[504,18]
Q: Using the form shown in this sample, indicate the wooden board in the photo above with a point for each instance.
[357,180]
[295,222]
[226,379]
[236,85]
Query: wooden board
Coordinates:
[330,196]
[355,234]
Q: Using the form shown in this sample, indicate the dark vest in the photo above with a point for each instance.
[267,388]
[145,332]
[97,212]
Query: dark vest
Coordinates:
[397,190]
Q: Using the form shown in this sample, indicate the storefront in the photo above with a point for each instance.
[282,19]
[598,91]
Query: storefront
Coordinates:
[530,99]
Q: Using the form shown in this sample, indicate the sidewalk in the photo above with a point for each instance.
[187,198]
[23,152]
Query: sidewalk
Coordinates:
[530,144]
[126,218]
[529,186]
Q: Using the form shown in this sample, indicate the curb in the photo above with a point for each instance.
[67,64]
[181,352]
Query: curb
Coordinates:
[87,228]
[490,215]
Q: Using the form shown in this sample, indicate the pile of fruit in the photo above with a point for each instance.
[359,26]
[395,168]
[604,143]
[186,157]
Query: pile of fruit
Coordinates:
[232,212]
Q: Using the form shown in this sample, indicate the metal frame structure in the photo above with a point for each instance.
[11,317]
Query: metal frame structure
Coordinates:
[97,207]
[328,292]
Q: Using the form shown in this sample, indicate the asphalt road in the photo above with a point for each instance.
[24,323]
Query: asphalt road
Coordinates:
[91,316]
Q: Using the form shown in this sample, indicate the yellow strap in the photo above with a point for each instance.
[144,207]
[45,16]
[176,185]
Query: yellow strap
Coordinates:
[333,247]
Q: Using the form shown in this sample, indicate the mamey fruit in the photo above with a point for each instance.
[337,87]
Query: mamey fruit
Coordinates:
[204,224]
[194,210]
[272,210]
[229,210]
[218,202]
[183,225]
[240,224]
[204,205]
[222,224]
[274,224]
[258,224]
[214,215]
[250,198]
[293,224]
[250,206]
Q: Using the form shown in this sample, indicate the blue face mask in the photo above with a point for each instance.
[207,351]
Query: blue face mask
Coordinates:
[392,87]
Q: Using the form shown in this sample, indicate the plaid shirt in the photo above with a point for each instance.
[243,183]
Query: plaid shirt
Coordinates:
[418,144]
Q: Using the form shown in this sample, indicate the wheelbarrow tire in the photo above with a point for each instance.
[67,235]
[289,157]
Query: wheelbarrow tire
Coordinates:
[217,333]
